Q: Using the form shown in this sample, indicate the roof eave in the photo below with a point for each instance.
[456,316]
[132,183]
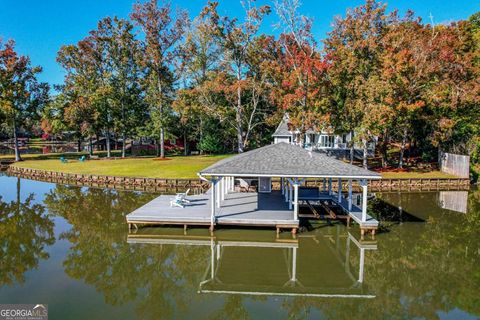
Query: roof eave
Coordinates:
[203,174]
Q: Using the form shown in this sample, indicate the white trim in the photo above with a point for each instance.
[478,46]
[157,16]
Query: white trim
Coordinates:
[288,175]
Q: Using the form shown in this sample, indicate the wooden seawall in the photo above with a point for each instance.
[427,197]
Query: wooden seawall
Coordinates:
[173,185]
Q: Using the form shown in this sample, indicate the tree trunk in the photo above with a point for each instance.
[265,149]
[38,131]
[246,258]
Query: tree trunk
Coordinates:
[15,141]
[124,138]
[352,147]
[107,137]
[365,153]
[91,145]
[79,145]
[238,118]
[384,150]
[185,147]
[18,195]
[402,148]
[162,142]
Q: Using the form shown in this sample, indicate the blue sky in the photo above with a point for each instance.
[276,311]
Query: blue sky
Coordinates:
[41,27]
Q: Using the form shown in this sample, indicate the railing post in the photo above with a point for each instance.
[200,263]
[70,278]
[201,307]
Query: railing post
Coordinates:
[364,185]
[295,199]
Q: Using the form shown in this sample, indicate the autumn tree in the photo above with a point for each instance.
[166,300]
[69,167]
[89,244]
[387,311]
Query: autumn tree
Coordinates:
[236,38]
[162,32]
[353,47]
[22,96]
[302,86]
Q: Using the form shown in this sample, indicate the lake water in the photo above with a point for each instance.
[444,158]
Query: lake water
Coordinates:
[69,247]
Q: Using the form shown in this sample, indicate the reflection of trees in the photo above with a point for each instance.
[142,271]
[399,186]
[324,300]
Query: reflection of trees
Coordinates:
[25,231]
[160,279]
[423,268]
[420,268]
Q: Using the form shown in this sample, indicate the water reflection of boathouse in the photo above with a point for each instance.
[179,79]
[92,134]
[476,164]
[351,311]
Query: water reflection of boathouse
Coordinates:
[326,265]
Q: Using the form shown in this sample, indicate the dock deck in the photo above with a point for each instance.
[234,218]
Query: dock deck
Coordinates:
[238,208]
[355,212]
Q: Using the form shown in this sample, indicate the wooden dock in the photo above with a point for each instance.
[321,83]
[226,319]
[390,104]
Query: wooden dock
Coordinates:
[314,194]
[238,208]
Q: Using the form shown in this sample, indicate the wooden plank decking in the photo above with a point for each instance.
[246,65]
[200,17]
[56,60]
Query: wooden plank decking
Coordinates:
[249,209]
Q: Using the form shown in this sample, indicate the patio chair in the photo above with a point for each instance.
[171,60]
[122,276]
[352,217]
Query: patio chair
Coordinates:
[177,202]
[183,195]
[82,159]
[63,160]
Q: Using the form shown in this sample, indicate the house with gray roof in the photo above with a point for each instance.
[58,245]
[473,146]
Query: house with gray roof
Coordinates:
[337,144]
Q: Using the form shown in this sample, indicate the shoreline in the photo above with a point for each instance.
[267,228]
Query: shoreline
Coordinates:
[199,186]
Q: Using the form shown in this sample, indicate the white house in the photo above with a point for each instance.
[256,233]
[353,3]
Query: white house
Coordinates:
[337,144]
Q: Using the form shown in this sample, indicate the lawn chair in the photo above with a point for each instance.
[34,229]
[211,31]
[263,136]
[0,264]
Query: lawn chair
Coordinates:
[63,160]
[183,196]
[82,159]
[177,202]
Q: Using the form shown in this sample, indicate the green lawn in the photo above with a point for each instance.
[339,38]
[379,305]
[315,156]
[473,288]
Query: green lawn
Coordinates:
[173,168]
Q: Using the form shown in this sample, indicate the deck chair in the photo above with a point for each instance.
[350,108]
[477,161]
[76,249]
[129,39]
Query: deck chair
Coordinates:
[63,160]
[177,202]
[183,196]
[82,159]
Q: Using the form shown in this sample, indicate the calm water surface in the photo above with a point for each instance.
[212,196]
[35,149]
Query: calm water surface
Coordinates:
[69,247]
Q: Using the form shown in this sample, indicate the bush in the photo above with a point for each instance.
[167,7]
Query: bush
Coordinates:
[210,143]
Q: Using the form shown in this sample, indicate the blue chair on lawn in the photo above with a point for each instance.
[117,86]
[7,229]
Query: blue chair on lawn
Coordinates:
[82,159]
[63,160]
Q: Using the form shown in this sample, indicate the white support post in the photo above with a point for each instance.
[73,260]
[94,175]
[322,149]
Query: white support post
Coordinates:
[214,193]
[330,186]
[222,188]
[295,200]
[340,190]
[362,265]
[364,185]
[294,265]
[350,195]
[217,193]
[287,197]
[290,194]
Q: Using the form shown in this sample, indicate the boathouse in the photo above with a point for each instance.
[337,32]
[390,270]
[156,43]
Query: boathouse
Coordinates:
[224,204]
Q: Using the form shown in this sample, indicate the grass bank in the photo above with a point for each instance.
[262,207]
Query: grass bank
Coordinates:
[178,167]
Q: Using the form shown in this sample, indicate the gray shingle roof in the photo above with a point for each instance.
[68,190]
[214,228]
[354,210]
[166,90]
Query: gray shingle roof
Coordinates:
[282,129]
[286,160]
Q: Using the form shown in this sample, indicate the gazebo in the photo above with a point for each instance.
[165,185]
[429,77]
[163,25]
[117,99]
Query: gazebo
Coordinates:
[292,165]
